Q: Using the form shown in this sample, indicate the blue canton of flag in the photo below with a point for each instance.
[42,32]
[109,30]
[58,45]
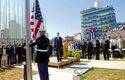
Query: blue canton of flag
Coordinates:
[38,14]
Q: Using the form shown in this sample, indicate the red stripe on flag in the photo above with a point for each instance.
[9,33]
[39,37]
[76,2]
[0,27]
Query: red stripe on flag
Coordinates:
[37,27]
[32,17]
[31,23]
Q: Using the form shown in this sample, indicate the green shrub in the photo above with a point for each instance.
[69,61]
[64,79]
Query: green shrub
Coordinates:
[74,53]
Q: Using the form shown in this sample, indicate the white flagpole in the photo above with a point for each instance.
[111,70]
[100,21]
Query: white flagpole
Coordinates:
[0,15]
[23,24]
[22,20]
[28,54]
[45,20]
[6,14]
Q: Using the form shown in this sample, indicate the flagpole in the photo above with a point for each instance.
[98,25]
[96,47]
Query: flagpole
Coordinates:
[28,54]
[0,15]
[0,21]
[45,20]
[22,20]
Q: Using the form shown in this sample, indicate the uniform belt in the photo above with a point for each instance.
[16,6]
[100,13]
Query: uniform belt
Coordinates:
[41,50]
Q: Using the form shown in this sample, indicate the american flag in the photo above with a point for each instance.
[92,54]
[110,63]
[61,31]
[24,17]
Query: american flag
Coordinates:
[36,20]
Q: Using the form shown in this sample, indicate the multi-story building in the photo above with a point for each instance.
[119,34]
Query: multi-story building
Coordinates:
[77,36]
[95,21]
[12,14]
[14,30]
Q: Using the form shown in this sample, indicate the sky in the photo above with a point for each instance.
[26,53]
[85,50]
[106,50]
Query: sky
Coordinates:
[64,15]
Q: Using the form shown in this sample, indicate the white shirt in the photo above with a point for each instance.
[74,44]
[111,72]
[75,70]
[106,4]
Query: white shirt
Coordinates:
[113,42]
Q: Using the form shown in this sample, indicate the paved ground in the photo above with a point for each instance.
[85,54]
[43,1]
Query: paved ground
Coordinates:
[67,72]
[108,64]
[64,73]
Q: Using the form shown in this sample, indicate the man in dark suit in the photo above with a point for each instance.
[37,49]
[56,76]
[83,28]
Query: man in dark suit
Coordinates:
[89,48]
[12,54]
[42,57]
[83,48]
[9,52]
[19,53]
[106,48]
[58,47]
[97,50]
[1,53]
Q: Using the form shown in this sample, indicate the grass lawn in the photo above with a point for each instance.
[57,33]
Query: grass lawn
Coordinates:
[11,73]
[104,74]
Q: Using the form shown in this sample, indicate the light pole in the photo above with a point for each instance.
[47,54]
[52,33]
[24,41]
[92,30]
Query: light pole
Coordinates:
[28,54]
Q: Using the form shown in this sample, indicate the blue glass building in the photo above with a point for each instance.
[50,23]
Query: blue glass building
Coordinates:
[96,21]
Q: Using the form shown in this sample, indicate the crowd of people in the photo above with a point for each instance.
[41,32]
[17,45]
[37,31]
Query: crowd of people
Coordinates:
[94,47]
[90,48]
[15,53]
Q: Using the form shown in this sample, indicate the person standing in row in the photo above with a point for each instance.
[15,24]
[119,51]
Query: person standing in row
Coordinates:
[58,47]
[120,43]
[106,48]
[42,57]
[113,45]
[97,50]
[15,54]
[1,53]
[89,48]
[9,55]
[19,50]
[83,48]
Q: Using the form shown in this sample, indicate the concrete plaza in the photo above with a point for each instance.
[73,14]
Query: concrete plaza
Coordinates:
[67,72]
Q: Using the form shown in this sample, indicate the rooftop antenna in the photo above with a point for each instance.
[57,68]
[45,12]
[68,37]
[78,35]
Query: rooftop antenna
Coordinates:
[97,4]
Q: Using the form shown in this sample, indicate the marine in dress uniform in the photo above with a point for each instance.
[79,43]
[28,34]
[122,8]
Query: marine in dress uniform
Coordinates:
[42,57]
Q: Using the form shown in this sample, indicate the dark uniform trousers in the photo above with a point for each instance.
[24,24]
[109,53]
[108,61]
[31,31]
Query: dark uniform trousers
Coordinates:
[43,71]
[43,65]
